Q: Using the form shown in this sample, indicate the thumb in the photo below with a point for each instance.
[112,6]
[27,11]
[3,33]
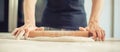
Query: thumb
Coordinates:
[40,29]
[82,29]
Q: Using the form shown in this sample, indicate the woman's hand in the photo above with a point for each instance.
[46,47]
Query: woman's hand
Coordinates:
[97,32]
[24,31]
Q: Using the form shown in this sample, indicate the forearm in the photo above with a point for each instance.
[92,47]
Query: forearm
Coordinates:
[97,6]
[58,33]
[29,11]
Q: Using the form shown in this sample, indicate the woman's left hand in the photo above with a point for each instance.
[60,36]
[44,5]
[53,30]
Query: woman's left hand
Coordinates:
[97,32]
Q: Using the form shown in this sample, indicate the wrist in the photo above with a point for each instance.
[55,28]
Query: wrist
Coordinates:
[30,24]
[94,20]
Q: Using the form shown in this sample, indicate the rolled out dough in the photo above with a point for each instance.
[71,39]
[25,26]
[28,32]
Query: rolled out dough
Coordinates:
[63,39]
[53,39]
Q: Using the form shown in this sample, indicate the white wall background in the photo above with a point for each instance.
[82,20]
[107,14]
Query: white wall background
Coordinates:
[117,18]
[13,8]
[106,15]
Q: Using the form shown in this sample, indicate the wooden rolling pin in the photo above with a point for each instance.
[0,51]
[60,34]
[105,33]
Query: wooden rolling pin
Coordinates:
[59,33]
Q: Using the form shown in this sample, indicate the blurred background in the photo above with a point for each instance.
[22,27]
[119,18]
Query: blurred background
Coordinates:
[11,15]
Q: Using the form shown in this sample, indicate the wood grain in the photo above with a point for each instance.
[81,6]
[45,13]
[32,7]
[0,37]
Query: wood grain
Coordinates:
[59,33]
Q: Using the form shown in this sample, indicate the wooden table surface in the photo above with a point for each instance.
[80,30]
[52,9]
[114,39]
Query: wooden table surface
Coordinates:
[11,45]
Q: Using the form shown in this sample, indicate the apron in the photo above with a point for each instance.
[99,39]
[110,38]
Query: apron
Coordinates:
[66,14]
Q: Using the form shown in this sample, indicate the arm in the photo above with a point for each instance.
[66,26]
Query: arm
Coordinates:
[93,25]
[29,19]
[97,6]
[29,11]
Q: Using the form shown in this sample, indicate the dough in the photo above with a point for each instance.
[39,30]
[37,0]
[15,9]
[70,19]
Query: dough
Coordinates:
[63,39]
[54,39]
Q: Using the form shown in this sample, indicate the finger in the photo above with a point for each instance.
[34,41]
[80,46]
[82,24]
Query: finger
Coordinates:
[40,29]
[94,35]
[82,29]
[99,33]
[103,35]
[87,29]
[14,32]
[20,34]
[26,34]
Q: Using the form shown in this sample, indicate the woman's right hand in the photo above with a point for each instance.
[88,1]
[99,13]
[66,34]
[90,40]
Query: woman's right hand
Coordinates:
[24,31]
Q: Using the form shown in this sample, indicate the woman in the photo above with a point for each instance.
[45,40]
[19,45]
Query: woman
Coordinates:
[64,14]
